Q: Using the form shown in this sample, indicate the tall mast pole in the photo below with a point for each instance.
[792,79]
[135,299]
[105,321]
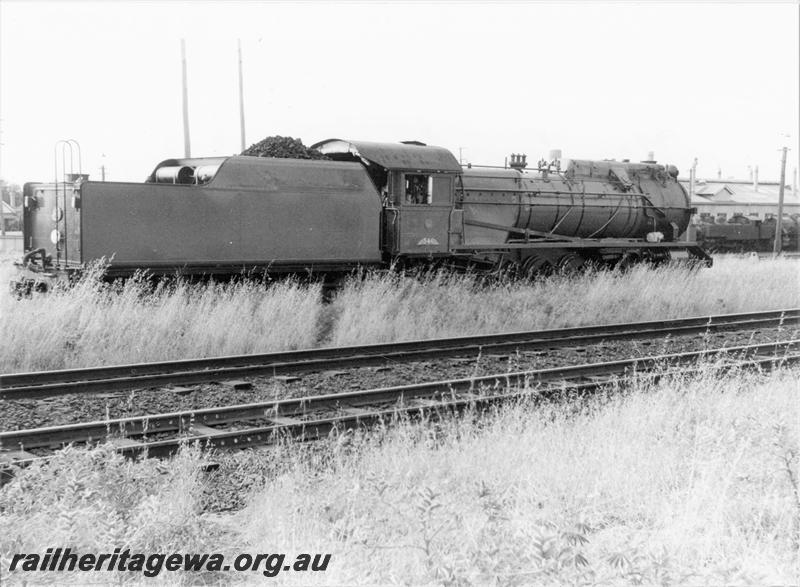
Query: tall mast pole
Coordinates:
[187,149]
[241,95]
[776,249]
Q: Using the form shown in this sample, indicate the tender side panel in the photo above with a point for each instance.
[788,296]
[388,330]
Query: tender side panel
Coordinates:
[254,213]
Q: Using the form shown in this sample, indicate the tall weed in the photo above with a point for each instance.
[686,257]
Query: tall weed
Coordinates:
[93,501]
[674,483]
[392,307]
[94,324]
[691,480]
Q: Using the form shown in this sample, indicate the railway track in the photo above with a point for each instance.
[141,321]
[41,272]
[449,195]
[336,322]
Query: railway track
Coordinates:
[195,371]
[314,417]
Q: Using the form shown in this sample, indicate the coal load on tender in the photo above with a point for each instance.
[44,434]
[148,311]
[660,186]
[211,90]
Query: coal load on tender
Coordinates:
[282,147]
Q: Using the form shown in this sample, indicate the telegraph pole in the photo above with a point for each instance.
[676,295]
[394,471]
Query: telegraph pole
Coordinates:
[776,249]
[187,149]
[241,94]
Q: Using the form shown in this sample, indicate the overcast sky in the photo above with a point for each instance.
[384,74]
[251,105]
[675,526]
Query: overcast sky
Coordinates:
[716,81]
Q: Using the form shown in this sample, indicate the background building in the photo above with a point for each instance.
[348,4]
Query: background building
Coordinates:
[718,200]
[10,217]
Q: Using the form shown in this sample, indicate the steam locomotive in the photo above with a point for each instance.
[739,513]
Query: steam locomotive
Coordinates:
[368,205]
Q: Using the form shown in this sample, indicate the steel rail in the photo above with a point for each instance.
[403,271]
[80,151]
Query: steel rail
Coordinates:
[284,414]
[193,371]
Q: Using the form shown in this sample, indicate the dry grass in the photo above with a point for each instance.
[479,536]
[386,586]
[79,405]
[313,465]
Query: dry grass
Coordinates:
[92,325]
[95,325]
[685,483]
[90,501]
[391,307]
[694,481]
[690,481]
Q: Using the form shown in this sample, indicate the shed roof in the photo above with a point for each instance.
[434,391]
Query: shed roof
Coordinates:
[716,192]
[740,192]
[409,156]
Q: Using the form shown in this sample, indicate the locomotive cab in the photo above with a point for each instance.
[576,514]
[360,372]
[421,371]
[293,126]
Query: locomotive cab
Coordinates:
[420,218]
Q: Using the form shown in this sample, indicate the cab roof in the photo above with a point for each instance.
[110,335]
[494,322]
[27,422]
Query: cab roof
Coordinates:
[410,155]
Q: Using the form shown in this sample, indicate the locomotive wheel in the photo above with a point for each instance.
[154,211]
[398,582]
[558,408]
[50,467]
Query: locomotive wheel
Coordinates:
[570,263]
[536,265]
[627,261]
[658,258]
[503,270]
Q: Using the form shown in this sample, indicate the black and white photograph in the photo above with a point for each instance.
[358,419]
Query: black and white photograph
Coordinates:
[404,292]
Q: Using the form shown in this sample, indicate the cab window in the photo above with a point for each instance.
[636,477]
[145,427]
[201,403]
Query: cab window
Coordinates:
[418,189]
[427,189]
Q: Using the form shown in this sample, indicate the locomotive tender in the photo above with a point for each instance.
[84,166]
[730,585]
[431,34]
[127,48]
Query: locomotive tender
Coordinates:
[369,205]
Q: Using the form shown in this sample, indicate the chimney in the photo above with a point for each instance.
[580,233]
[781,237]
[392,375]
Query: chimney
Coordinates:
[719,172]
[755,179]
[518,161]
